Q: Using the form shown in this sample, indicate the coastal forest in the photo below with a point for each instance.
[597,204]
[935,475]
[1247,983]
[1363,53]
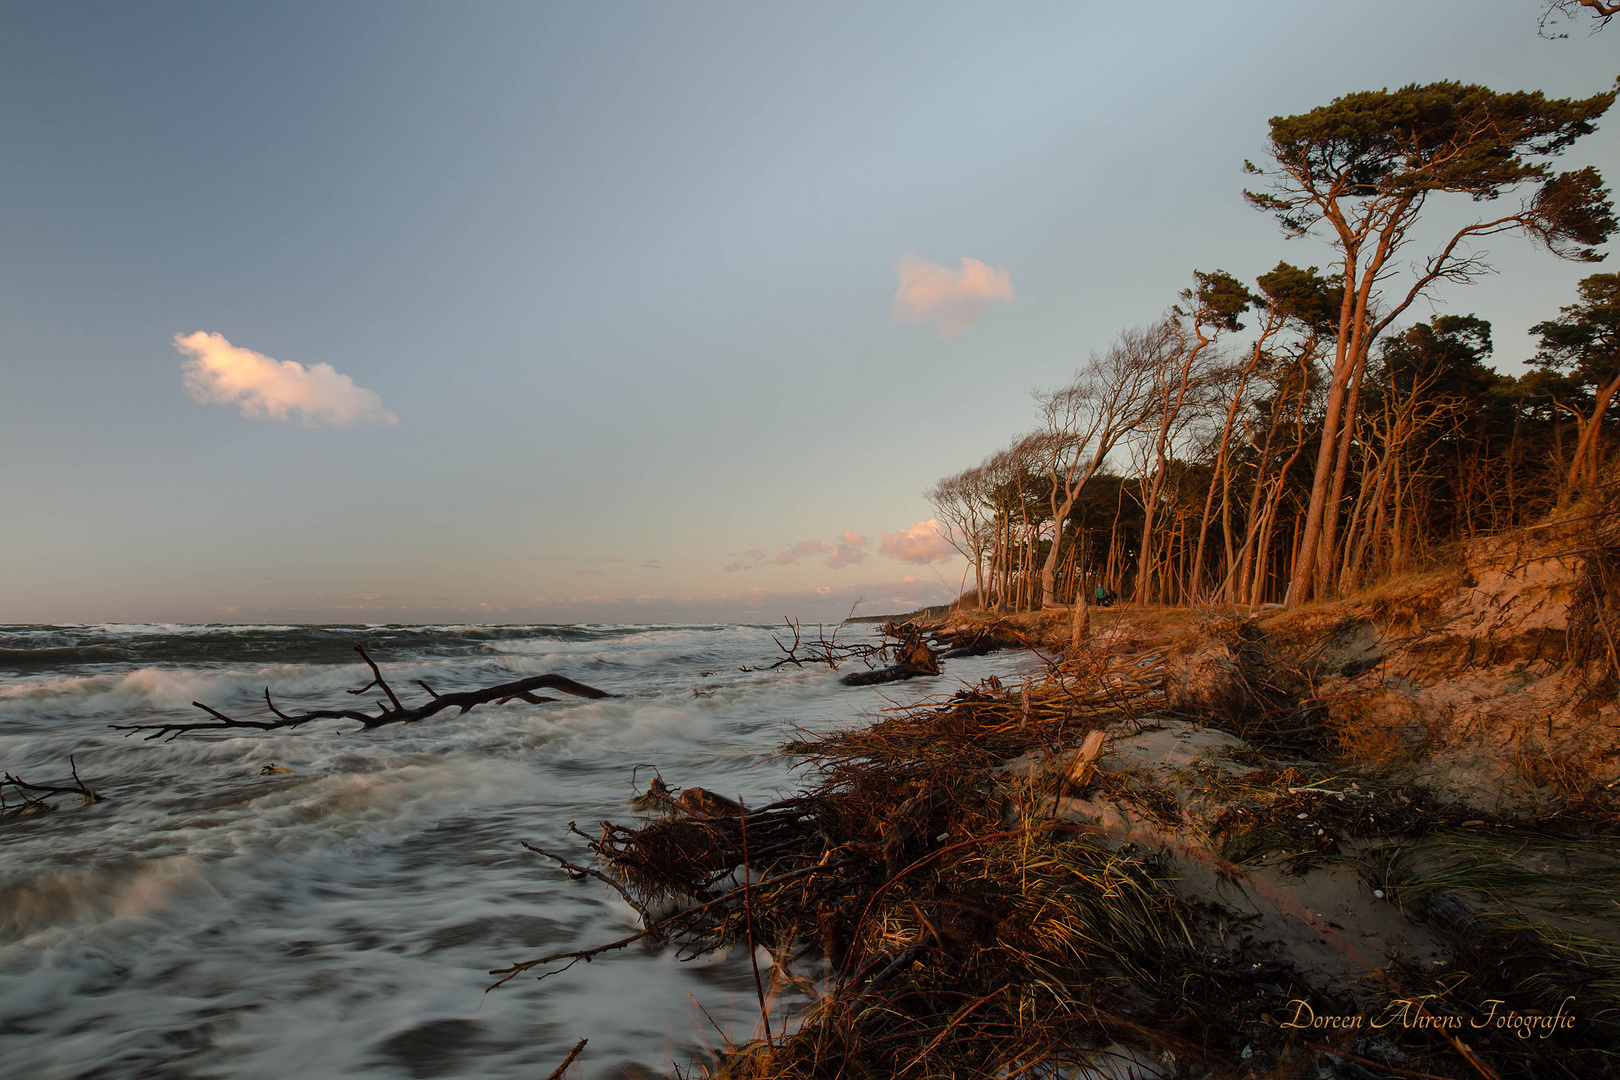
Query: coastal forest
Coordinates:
[1300,432]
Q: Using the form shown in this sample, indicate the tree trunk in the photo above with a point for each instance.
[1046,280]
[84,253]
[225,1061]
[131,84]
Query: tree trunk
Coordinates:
[1325,559]
[1584,468]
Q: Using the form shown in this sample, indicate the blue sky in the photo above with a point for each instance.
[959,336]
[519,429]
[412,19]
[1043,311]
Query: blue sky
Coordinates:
[625,277]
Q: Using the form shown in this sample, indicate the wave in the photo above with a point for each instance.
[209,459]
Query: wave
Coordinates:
[51,655]
[79,895]
[141,691]
[169,688]
[33,648]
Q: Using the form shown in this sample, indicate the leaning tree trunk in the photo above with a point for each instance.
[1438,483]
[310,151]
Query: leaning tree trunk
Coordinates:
[1583,470]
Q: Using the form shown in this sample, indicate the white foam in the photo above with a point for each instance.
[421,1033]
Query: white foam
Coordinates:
[367,892]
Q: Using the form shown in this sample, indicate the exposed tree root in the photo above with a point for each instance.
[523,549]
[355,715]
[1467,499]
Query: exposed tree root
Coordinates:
[912,658]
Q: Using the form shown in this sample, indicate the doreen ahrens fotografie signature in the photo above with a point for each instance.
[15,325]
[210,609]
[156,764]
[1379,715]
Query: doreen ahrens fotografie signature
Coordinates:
[1409,1013]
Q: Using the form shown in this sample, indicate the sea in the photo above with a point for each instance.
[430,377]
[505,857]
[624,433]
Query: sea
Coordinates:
[214,916]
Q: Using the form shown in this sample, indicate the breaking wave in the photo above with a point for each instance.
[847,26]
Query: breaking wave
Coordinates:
[354,888]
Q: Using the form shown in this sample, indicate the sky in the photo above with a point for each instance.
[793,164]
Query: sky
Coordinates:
[533,313]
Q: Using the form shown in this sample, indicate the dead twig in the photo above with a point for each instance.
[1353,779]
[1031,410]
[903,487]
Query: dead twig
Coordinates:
[748,911]
[556,1074]
[576,871]
[574,956]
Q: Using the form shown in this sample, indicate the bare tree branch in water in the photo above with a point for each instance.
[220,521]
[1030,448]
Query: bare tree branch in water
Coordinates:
[33,796]
[823,650]
[391,711]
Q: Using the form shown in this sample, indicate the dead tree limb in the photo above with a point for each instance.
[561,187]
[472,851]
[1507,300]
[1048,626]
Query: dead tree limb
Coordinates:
[396,713]
[912,658]
[576,872]
[663,927]
[556,1074]
[823,650]
[33,796]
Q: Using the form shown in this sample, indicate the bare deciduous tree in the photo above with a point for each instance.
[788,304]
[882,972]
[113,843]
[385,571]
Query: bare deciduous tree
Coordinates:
[966,503]
[1211,308]
[1081,423]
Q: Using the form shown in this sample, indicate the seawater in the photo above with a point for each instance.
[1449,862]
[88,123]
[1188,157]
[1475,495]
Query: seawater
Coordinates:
[210,920]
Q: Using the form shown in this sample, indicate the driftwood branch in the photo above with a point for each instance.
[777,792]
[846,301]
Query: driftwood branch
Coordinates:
[33,796]
[732,899]
[576,872]
[556,1074]
[823,650]
[912,657]
[392,711]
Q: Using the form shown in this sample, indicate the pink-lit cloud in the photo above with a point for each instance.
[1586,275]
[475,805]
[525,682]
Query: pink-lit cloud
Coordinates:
[800,550]
[847,550]
[922,544]
[756,604]
[906,590]
[851,550]
[219,373]
[955,299]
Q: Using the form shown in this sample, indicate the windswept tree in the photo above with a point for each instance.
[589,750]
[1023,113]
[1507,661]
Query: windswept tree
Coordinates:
[1585,345]
[966,504]
[1425,380]
[1289,299]
[1362,168]
[1206,311]
[1081,423]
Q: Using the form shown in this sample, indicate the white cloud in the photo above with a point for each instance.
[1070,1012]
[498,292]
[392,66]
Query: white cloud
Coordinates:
[955,299]
[922,544]
[220,373]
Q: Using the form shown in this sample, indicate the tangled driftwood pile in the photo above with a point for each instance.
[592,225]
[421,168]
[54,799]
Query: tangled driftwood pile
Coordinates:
[966,893]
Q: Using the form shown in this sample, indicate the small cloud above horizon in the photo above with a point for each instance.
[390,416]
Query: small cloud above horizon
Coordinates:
[800,550]
[847,551]
[922,544]
[955,299]
[219,373]
[851,550]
